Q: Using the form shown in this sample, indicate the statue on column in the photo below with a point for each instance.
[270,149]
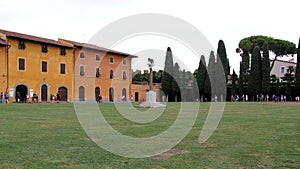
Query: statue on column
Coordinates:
[151,64]
[151,95]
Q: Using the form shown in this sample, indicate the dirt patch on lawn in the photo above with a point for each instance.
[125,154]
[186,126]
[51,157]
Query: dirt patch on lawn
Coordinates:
[169,153]
[48,125]
[260,155]
[87,139]
[213,145]
[298,149]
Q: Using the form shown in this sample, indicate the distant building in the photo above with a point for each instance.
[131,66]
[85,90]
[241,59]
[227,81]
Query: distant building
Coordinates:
[280,68]
[138,92]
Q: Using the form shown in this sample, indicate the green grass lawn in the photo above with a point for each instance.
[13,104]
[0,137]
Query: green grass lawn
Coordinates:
[250,135]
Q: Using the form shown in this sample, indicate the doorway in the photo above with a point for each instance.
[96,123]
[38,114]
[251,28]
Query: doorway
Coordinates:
[136,96]
[44,93]
[22,90]
[111,94]
[63,93]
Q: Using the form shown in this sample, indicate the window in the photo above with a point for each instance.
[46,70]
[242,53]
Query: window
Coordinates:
[111,74]
[97,72]
[63,51]
[21,64]
[123,94]
[97,57]
[111,60]
[282,70]
[82,55]
[81,93]
[124,61]
[21,45]
[44,66]
[124,75]
[44,48]
[62,68]
[81,71]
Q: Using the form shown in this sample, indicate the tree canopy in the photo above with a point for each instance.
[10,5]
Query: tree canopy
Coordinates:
[279,47]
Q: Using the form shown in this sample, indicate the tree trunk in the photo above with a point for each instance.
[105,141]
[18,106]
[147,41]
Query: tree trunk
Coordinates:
[273,62]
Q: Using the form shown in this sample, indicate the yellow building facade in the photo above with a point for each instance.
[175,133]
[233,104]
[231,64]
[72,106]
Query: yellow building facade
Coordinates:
[37,66]
[75,71]
[3,63]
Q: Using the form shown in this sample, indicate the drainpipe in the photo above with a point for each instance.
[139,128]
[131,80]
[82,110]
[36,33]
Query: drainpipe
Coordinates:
[7,67]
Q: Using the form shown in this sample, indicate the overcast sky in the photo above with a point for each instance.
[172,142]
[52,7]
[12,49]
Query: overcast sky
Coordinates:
[229,20]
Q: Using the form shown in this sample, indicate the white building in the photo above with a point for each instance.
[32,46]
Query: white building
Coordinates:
[281,66]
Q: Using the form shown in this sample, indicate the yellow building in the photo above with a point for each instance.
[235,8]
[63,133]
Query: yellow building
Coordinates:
[100,71]
[33,65]
[3,60]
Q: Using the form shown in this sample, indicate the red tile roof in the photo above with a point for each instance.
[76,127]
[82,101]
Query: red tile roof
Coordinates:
[95,47]
[284,61]
[33,38]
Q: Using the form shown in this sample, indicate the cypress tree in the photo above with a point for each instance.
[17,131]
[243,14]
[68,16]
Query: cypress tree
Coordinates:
[210,85]
[221,53]
[176,82]
[233,86]
[167,75]
[265,70]
[220,80]
[183,86]
[254,84]
[297,75]
[244,74]
[201,76]
[241,82]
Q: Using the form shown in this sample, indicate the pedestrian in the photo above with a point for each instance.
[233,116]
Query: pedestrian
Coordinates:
[1,97]
[100,99]
[57,97]
[18,97]
[34,98]
[27,98]
[53,98]
[6,97]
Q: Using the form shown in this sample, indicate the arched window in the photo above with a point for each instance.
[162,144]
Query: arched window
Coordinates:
[97,57]
[124,75]
[123,94]
[81,93]
[111,60]
[81,71]
[82,55]
[111,94]
[97,93]
[97,72]
[111,74]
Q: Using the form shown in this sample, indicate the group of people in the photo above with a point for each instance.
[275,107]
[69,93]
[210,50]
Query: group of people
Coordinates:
[262,98]
[4,97]
[54,98]
[237,98]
